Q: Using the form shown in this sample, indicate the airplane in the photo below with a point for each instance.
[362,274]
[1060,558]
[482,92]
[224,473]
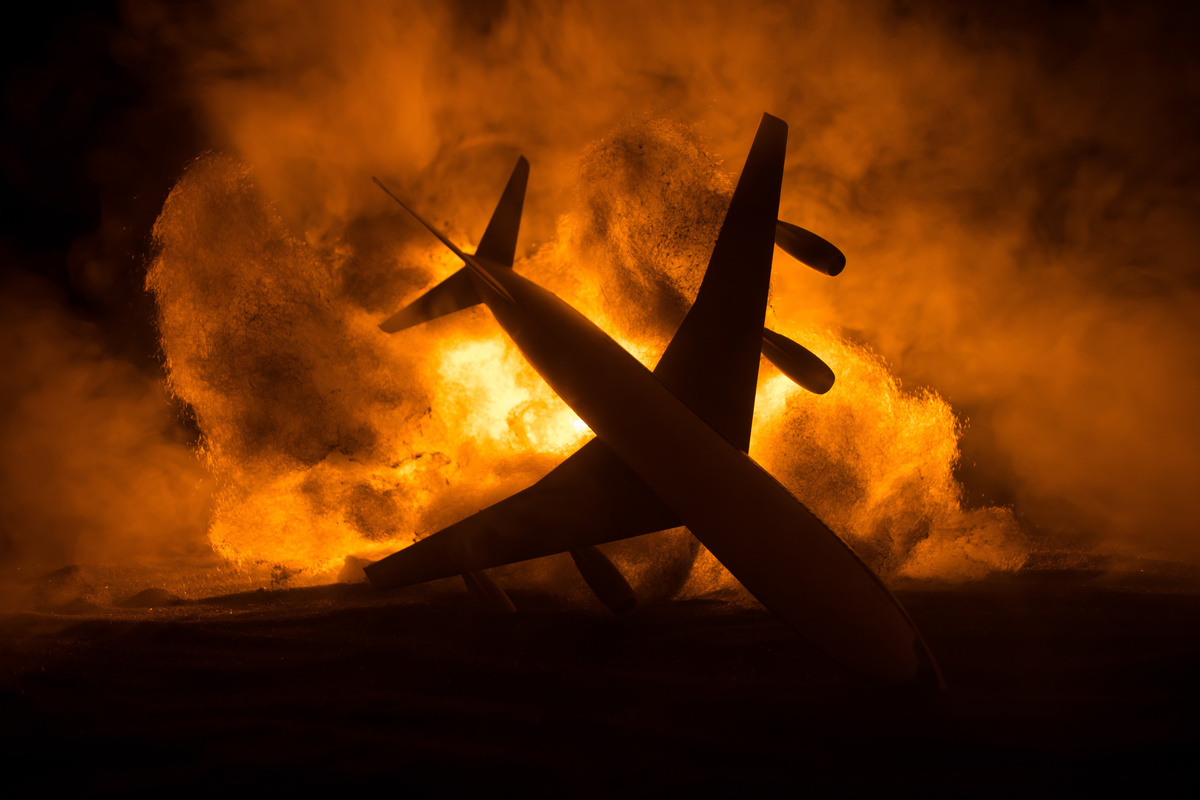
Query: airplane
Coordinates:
[670,446]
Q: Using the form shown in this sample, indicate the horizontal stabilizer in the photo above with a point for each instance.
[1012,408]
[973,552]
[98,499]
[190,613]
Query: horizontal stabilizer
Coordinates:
[797,362]
[808,248]
[453,294]
[498,246]
[470,261]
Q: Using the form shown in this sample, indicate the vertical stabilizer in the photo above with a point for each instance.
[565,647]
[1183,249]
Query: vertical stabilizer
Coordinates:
[499,242]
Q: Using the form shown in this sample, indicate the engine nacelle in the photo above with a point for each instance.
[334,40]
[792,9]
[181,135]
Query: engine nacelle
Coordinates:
[797,362]
[808,248]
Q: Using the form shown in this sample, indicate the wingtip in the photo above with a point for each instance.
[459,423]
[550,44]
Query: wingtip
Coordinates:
[771,119]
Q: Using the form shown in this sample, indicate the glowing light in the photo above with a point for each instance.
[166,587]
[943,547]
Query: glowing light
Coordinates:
[332,439]
[495,396]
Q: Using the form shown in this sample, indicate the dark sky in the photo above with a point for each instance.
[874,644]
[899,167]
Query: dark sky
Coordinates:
[91,141]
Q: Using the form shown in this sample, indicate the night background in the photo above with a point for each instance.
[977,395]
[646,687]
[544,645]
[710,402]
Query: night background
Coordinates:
[1014,186]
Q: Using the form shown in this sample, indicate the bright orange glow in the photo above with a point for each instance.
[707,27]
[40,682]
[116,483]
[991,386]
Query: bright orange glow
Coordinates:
[876,463]
[496,398]
[275,264]
[331,438]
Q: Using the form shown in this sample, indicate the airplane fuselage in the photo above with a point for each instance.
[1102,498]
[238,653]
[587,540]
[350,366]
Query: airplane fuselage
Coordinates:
[791,561]
[671,444]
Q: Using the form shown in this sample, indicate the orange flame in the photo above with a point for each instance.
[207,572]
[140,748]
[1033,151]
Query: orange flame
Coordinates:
[331,438]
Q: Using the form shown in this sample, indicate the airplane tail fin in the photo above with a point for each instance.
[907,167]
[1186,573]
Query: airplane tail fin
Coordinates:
[499,242]
[498,245]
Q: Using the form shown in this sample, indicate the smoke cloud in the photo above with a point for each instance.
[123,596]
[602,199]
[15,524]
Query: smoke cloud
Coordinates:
[93,460]
[1013,192]
[331,439]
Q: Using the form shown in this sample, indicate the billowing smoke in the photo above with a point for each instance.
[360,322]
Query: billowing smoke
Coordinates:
[93,460]
[1012,190]
[1013,203]
[332,439]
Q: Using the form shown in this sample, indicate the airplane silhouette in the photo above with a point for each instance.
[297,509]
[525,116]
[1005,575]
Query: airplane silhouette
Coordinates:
[671,445]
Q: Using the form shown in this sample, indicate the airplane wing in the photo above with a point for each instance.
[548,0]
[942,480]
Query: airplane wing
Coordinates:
[712,361]
[589,499]
[711,364]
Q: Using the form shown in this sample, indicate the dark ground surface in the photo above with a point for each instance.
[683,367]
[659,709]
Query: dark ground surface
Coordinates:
[1060,684]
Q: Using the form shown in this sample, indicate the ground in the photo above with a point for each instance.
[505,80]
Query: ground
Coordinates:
[1060,683]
